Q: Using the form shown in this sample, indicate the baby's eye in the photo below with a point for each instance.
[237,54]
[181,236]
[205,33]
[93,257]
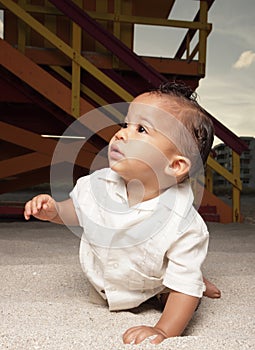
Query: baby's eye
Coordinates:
[124,125]
[141,129]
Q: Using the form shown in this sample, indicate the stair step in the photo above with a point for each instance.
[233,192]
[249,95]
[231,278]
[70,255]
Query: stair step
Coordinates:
[211,217]
[209,213]
[208,209]
[11,210]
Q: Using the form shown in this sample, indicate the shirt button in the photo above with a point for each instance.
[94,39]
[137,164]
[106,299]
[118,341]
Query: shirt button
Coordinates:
[116,265]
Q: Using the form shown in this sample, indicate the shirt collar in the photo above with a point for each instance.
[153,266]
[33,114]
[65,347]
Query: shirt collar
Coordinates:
[111,176]
[178,198]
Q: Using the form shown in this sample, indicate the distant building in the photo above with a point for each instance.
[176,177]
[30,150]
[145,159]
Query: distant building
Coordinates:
[223,155]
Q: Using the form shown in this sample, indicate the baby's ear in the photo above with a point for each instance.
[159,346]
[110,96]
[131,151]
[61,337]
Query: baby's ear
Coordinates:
[178,167]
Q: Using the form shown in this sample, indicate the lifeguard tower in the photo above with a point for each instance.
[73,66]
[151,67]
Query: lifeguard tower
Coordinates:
[60,59]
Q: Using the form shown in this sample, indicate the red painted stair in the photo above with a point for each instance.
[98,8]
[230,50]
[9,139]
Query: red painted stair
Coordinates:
[209,213]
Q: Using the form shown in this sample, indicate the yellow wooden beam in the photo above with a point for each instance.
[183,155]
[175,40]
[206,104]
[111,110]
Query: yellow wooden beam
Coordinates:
[209,179]
[236,190]
[124,18]
[91,94]
[47,10]
[66,49]
[232,178]
[76,68]
[193,53]
[149,21]
[100,101]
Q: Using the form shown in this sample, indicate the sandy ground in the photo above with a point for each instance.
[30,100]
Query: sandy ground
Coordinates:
[44,300]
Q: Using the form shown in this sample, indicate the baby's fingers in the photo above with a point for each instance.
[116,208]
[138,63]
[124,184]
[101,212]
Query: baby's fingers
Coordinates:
[136,335]
[157,339]
[27,210]
[40,202]
[34,206]
[130,334]
[31,208]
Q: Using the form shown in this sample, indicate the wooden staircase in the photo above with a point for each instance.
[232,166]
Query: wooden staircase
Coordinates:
[59,62]
[209,213]
[212,208]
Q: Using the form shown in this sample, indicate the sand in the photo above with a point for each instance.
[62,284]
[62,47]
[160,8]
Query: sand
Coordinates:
[44,300]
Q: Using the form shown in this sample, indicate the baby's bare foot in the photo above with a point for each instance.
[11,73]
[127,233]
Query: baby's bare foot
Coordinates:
[211,290]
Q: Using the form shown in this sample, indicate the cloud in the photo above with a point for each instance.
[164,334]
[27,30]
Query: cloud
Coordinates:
[230,99]
[245,60]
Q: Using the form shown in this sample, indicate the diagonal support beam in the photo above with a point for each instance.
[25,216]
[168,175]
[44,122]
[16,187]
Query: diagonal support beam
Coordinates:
[191,32]
[38,79]
[25,180]
[49,87]
[26,139]
[42,152]
[71,10]
[35,142]
[64,48]
[22,164]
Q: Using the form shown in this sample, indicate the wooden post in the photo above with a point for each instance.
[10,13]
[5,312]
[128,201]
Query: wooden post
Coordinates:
[202,37]
[21,30]
[76,68]
[50,23]
[209,179]
[116,30]
[235,190]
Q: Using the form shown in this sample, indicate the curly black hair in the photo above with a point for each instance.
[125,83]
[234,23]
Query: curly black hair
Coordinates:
[195,118]
[178,89]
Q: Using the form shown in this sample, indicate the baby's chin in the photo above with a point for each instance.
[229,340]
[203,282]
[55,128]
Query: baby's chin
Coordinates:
[114,165]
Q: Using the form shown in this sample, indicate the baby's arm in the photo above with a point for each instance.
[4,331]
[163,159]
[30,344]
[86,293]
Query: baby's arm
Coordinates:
[44,207]
[177,313]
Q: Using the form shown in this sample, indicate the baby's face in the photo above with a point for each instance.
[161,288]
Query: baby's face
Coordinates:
[143,146]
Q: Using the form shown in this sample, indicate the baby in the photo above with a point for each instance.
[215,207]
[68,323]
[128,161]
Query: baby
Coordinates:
[142,236]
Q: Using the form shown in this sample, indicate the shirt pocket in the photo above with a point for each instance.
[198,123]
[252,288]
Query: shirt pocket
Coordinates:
[140,281]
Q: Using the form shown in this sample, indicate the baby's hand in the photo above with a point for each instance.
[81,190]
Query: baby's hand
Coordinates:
[42,207]
[136,335]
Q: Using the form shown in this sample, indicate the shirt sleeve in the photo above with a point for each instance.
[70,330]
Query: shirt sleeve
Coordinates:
[185,258]
[79,196]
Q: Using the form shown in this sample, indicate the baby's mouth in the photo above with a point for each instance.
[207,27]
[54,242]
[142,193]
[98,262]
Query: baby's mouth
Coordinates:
[115,152]
[115,148]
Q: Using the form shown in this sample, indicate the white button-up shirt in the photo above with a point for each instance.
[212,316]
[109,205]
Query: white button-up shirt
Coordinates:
[130,254]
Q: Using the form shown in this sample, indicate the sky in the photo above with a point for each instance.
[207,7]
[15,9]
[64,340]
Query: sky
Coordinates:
[227,91]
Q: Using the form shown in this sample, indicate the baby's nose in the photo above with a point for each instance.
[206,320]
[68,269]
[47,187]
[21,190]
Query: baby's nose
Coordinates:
[122,134]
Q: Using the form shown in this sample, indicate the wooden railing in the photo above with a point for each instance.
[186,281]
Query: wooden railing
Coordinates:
[232,177]
[73,52]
